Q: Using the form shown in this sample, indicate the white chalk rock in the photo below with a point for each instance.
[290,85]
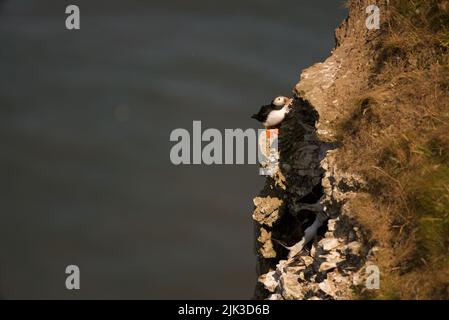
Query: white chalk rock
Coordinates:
[327,266]
[329,243]
[307,260]
[355,247]
[268,281]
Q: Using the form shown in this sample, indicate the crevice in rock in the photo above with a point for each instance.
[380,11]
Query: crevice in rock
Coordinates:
[301,194]
[314,196]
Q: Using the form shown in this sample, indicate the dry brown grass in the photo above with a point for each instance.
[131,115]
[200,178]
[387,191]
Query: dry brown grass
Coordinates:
[397,137]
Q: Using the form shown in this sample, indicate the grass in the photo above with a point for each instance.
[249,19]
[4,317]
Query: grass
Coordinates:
[397,137]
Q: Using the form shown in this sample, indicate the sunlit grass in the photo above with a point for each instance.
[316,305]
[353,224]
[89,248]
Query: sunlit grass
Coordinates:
[397,137]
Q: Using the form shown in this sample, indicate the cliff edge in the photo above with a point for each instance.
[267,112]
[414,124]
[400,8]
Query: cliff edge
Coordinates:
[364,152]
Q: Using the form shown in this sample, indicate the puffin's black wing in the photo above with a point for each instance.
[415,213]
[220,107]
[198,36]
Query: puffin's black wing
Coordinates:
[263,113]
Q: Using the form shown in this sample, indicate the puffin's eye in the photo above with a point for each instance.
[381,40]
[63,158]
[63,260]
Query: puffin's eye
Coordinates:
[278,101]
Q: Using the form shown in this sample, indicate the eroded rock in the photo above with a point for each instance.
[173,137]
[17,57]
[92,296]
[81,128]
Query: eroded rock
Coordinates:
[267,210]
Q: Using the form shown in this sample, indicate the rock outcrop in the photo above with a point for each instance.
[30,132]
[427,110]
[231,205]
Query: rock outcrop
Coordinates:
[310,184]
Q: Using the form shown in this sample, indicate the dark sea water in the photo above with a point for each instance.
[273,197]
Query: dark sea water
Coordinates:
[85,120]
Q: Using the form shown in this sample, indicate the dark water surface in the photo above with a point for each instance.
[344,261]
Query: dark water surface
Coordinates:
[85,120]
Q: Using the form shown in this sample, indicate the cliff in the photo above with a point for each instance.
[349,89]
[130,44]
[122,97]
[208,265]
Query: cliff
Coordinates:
[365,149]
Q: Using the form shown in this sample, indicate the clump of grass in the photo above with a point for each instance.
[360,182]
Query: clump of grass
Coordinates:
[430,198]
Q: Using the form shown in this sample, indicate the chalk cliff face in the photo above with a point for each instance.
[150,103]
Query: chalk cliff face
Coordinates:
[310,184]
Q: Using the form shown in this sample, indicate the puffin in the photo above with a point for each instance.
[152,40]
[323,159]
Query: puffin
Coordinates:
[272,114]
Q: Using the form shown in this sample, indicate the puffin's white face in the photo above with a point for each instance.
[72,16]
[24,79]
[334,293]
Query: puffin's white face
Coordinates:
[280,101]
